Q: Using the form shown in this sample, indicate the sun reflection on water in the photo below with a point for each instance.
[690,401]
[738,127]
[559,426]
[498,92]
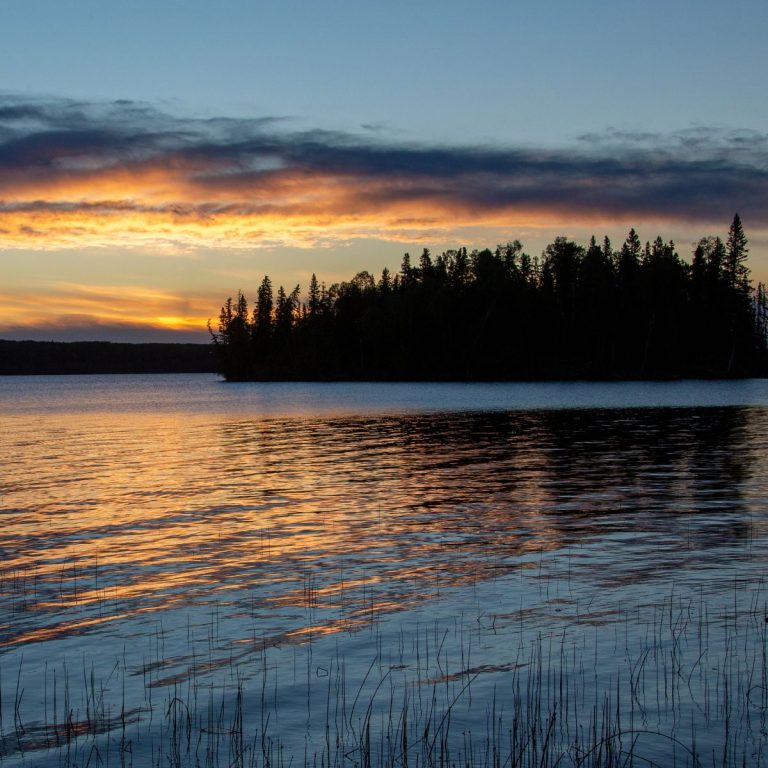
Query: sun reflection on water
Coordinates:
[129,516]
[225,535]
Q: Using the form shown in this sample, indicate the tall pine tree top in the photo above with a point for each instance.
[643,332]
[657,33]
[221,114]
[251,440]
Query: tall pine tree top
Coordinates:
[736,257]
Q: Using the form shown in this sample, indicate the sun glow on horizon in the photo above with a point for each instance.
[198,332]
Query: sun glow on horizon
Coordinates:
[106,306]
[235,201]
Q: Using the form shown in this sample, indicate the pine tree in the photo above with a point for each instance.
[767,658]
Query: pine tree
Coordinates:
[385,284]
[761,317]
[458,272]
[232,339]
[406,271]
[628,258]
[313,303]
[425,264]
[262,318]
[736,269]
[283,310]
[716,255]
[607,251]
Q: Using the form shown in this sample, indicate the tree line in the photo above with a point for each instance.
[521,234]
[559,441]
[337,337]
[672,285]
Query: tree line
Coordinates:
[638,311]
[87,357]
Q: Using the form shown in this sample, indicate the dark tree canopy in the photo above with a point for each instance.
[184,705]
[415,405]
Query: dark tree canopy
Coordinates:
[637,312]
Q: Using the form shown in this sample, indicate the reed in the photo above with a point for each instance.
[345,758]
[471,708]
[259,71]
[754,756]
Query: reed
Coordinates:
[675,683]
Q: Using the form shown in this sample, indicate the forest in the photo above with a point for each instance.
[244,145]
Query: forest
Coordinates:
[574,312]
[96,357]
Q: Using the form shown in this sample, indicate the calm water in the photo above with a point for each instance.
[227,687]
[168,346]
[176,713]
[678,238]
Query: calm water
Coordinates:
[289,561]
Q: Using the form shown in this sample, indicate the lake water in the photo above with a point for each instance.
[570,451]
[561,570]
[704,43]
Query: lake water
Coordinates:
[200,573]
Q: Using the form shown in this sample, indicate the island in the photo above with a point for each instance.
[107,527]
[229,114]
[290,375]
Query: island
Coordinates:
[576,312]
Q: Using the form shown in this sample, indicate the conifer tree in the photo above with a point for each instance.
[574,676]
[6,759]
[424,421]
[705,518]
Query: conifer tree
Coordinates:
[761,317]
[406,271]
[629,258]
[425,264]
[262,319]
[313,299]
[385,284]
[736,269]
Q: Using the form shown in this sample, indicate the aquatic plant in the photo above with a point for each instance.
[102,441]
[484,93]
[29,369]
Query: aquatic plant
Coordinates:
[691,689]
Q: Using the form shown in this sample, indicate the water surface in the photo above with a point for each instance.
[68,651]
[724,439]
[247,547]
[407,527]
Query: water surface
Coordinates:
[163,534]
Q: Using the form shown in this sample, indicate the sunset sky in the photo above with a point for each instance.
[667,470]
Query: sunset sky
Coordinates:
[155,157]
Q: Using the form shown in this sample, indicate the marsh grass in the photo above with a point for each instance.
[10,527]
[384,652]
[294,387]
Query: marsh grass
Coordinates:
[673,683]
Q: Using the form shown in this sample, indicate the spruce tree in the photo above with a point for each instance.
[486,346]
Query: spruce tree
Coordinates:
[313,303]
[262,318]
[736,269]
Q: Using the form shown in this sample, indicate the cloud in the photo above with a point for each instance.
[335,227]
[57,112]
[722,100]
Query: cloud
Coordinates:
[75,174]
[89,328]
[117,311]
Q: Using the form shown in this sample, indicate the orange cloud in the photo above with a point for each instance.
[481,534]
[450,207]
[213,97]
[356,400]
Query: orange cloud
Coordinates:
[293,209]
[141,178]
[71,305]
[114,177]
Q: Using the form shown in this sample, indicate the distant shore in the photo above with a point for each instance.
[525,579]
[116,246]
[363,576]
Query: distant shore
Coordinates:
[20,358]
[36,358]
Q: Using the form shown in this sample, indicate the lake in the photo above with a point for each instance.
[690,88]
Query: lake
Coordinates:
[200,573]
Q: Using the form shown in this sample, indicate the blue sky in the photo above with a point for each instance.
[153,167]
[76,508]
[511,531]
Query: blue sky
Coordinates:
[521,103]
[455,71]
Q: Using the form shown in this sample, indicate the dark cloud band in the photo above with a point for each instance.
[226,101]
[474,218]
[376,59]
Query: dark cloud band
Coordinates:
[701,174]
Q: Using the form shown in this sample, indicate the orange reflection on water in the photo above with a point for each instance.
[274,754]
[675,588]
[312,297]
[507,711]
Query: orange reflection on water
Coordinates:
[314,525]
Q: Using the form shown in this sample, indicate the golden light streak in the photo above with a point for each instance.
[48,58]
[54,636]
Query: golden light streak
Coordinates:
[106,304]
[158,206]
[181,205]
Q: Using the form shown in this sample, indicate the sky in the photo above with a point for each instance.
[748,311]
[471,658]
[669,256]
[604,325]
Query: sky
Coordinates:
[157,157]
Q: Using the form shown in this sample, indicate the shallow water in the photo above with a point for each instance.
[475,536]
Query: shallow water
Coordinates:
[296,551]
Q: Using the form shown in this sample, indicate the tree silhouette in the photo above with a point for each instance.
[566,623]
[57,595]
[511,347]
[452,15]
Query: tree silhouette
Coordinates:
[574,312]
[313,301]
[735,258]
